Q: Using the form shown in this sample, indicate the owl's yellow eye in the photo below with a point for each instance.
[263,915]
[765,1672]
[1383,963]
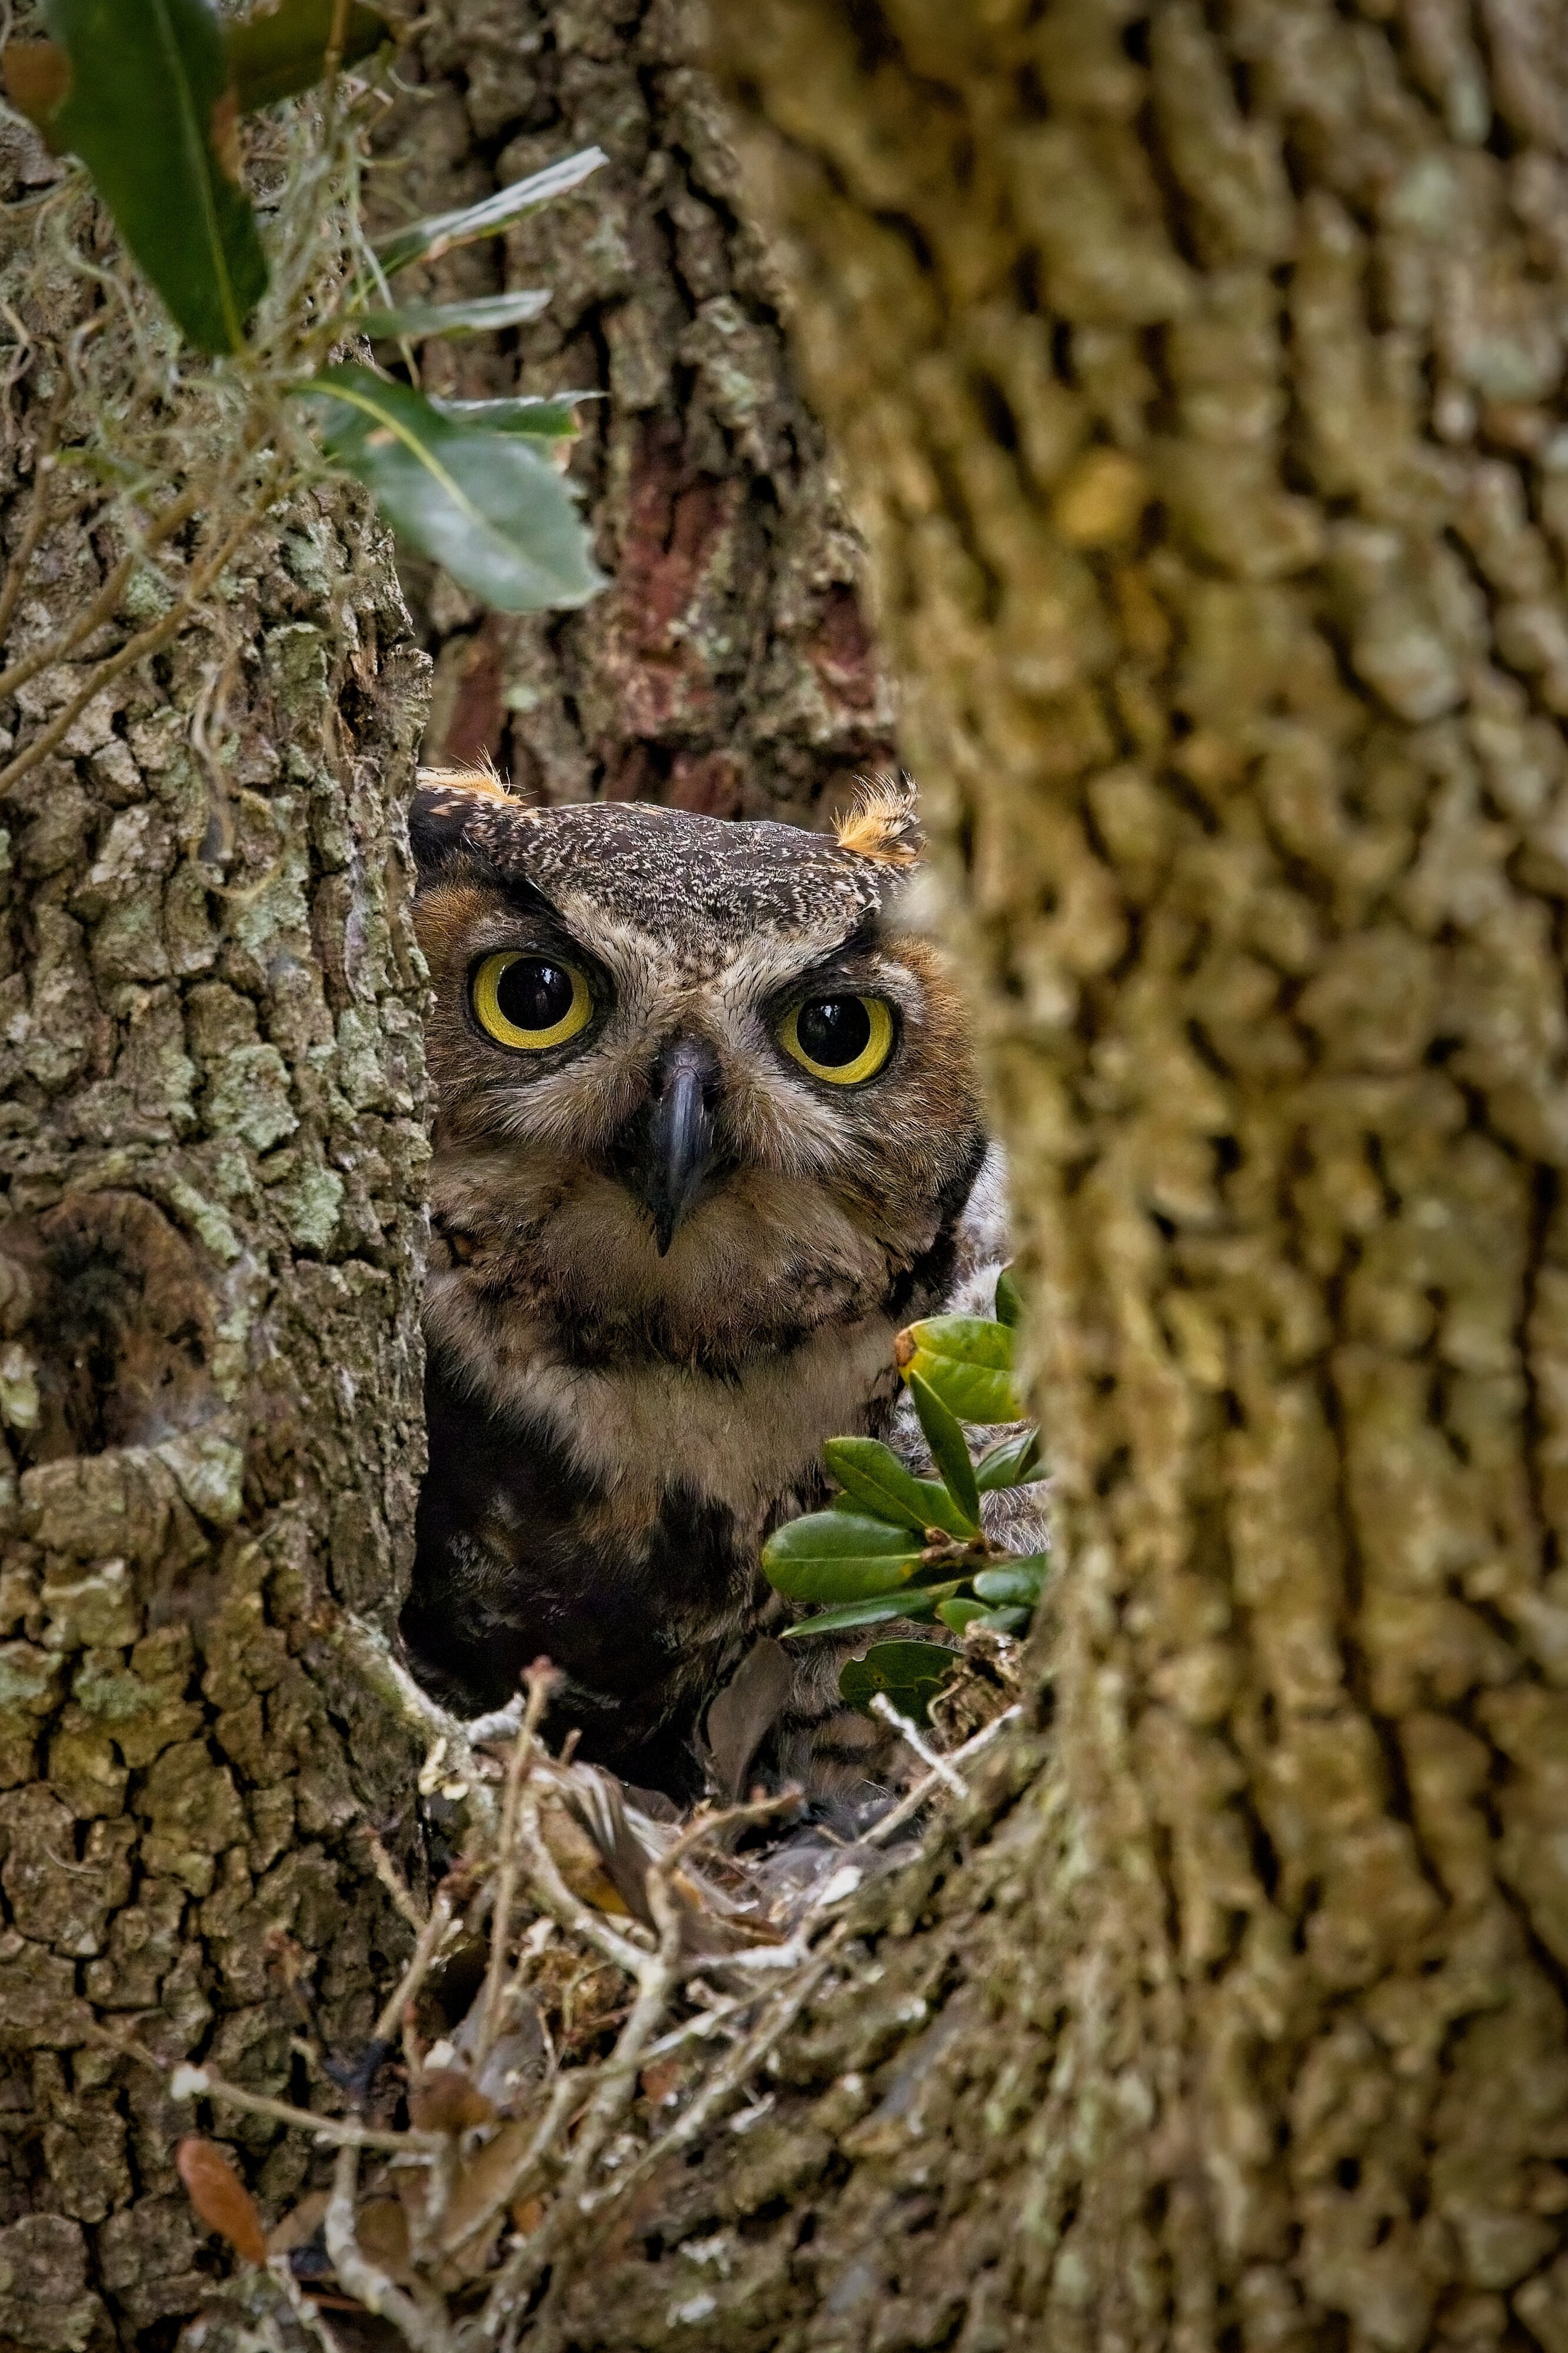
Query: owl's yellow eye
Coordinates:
[530,1001]
[841,1039]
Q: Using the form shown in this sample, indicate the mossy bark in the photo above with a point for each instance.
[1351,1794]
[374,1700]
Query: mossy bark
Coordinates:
[728,669]
[1196,374]
[212,1146]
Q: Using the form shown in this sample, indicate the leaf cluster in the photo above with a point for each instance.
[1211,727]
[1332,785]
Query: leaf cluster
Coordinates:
[893,1546]
[148,95]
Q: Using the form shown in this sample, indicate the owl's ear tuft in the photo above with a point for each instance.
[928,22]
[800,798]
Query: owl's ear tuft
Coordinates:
[445,801]
[883,821]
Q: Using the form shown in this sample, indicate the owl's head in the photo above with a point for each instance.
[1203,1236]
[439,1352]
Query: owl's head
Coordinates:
[696,1087]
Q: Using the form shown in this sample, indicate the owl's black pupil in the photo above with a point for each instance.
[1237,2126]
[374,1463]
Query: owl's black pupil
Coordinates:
[834,1030]
[534,994]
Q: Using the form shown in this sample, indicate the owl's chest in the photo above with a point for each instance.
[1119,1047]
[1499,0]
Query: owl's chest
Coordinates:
[612,1519]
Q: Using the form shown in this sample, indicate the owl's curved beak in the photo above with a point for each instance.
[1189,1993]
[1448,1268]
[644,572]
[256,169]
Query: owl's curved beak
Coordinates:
[677,1146]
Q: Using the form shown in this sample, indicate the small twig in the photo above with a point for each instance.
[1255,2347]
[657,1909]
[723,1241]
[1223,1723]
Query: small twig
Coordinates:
[341,2132]
[425,1950]
[883,1706]
[361,2278]
[558,1900]
[305,2308]
[392,1879]
[912,1802]
[540,1681]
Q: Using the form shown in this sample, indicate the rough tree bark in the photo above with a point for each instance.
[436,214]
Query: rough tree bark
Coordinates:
[728,669]
[1196,372]
[212,1144]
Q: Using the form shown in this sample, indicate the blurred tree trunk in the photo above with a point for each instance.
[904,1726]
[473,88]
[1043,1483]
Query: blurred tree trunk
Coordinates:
[1196,377]
[212,1145]
[728,669]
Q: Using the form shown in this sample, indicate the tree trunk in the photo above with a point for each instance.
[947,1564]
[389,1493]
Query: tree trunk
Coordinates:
[212,1079]
[728,669]
[1194,373]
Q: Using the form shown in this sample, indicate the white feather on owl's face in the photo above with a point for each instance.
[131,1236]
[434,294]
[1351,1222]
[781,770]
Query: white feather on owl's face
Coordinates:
[634,1144]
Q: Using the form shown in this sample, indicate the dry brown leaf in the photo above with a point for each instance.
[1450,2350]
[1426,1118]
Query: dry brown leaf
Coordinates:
[478,2190]
[527,2214]
[448,2099]
[221,2197]
[381,2227]
[662,2080]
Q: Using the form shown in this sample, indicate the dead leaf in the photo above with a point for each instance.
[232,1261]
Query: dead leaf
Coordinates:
[221,2197]
[38,76]
[381,2227]
[662,2080]
[222,127]
[448,2099]
[527,2214]
[745,1712]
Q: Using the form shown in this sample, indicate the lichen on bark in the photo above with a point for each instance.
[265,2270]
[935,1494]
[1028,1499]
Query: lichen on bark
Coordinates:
[212,1144]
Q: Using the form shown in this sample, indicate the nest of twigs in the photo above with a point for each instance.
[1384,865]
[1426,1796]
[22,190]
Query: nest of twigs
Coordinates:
[595,1988]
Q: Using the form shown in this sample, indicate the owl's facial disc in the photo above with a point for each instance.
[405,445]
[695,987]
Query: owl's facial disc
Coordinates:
[673,1152]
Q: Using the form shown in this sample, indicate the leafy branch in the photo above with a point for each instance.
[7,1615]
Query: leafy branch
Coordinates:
[893,1546]
[149,96]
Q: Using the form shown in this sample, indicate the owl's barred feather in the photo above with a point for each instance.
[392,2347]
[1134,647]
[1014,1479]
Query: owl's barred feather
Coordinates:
[671,1251]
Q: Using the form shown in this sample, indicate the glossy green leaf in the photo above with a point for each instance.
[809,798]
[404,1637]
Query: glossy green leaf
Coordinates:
[1005,1621]
[968,1360]
[548,415]
[488,506]
[151,111]
[949,1450]
[911,1674]
[279,52]
[1014,1463]
[427,240]
[957,1614]
[411,321]
[1013,1581]
[926,1603]
[874,1475]
[838,1556]
[1009,1300]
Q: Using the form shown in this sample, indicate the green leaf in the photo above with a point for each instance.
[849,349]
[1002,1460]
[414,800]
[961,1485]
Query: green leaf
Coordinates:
[1014,1463]
[408,321]
[549,415]
[1013,1581]
[948,1449]
[968,1360]
[838,1556]
[911,1674]
[1005,1621]
[957,1614]
[874,1475]
[1009,1300]
[487,505]
[881,1605]
[427,240]
[151,111]
[279,52]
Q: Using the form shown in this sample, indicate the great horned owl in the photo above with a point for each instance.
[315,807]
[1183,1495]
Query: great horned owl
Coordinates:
[708,1136]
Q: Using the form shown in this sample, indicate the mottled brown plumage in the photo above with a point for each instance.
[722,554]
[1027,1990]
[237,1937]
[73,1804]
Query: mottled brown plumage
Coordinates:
[671,1256]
